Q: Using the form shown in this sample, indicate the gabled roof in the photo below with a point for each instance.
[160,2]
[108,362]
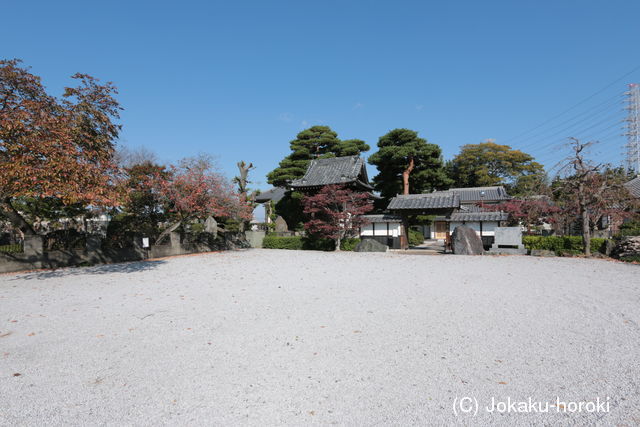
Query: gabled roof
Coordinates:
[634,186]
[274,194]
[481,194]
[334,170]
[383,218]
[478,216]
[437,200]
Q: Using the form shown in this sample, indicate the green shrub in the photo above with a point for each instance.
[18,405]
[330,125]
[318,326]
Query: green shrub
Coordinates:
[306,243]
[11,249]
[349,244]
[311,243]
[282,242]
[631,228]
[197,228]
[631,258]
[415,237]
[562,245]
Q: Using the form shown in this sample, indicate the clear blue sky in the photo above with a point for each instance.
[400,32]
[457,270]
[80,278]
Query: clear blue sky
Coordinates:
[240,79]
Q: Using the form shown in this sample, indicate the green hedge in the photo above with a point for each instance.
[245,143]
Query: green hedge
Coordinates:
[349,244]
[415,237]
[306,243]
[280,242]
[631,228]
[562,244]
[11,249]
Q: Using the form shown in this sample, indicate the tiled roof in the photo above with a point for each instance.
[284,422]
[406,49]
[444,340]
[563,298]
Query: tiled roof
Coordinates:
[438,200]
[274,194]
[383,218]
[334,170]
[479,216]
[484,194]
[634,186]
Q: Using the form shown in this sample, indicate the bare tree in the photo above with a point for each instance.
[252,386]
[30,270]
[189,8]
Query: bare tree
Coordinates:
[128,157]
[590,190]
[242,180]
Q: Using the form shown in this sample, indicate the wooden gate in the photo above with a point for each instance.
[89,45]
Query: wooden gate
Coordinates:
[441,229]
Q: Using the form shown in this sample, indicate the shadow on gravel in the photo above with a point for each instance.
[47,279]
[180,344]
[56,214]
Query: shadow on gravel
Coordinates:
[125,267]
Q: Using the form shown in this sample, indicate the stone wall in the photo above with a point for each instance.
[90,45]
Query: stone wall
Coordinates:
[34,257]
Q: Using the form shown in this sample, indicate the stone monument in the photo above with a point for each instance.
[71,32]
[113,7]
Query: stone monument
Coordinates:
[281,225]
[465,241]
[211,226]
[508,240]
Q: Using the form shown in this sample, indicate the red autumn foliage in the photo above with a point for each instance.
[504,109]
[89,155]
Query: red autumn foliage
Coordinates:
[195,189]
[52,147]
[530,212]
[336,212]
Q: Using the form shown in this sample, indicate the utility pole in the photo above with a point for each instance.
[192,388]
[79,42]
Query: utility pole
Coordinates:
[633,128]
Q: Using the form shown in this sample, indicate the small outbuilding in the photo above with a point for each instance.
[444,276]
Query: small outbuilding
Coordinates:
[385,228]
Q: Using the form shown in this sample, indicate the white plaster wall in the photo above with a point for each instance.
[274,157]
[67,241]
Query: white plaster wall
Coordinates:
[381,229]
[488,227]
[367,230]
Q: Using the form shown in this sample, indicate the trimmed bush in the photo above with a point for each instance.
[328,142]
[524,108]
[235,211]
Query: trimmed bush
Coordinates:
[306,243]
[310,243]
[631,228]
[349,244]
[415,237]
[562,245]
[13,249]
[282,242]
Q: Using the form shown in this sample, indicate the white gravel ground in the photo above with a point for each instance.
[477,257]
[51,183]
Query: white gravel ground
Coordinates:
[271,337]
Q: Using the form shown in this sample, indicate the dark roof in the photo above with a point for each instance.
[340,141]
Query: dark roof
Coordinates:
[274,194]
[634,186]
[479,216]
[474,194]
[334,170]
[383,218]
[437,200]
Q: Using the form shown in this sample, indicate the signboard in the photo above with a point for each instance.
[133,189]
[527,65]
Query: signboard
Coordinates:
[145,242]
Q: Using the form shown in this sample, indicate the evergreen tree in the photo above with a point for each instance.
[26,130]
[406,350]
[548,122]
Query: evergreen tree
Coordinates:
[407,164]
[315,142]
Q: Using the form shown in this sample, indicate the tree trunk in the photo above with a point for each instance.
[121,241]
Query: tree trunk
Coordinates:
[338,241]
[168,231]
[405,176]
[16,219]
[586,231]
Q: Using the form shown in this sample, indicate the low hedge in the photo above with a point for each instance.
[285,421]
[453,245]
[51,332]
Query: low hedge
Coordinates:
[282,242]
[11,249]
[562,244]
[306,243]
[349,244]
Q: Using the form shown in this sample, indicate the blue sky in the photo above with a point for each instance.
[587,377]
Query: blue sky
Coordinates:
[240,79]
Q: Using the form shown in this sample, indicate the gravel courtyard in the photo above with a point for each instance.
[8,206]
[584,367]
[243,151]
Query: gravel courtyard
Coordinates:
[291,337]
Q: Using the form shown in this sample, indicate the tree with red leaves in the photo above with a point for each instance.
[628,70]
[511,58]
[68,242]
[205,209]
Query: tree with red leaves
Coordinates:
[591,190]
[336,212]
[196,189]
[530,212]
[55,148]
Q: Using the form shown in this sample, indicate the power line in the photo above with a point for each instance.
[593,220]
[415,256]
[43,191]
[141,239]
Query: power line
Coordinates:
[575,105]
[607,104]
[633,128]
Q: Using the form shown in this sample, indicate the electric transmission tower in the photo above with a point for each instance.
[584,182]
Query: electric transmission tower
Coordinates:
[633,127]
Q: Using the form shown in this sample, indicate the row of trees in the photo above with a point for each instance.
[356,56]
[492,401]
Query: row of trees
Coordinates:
[58,159]
[407,164]
[583,193]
